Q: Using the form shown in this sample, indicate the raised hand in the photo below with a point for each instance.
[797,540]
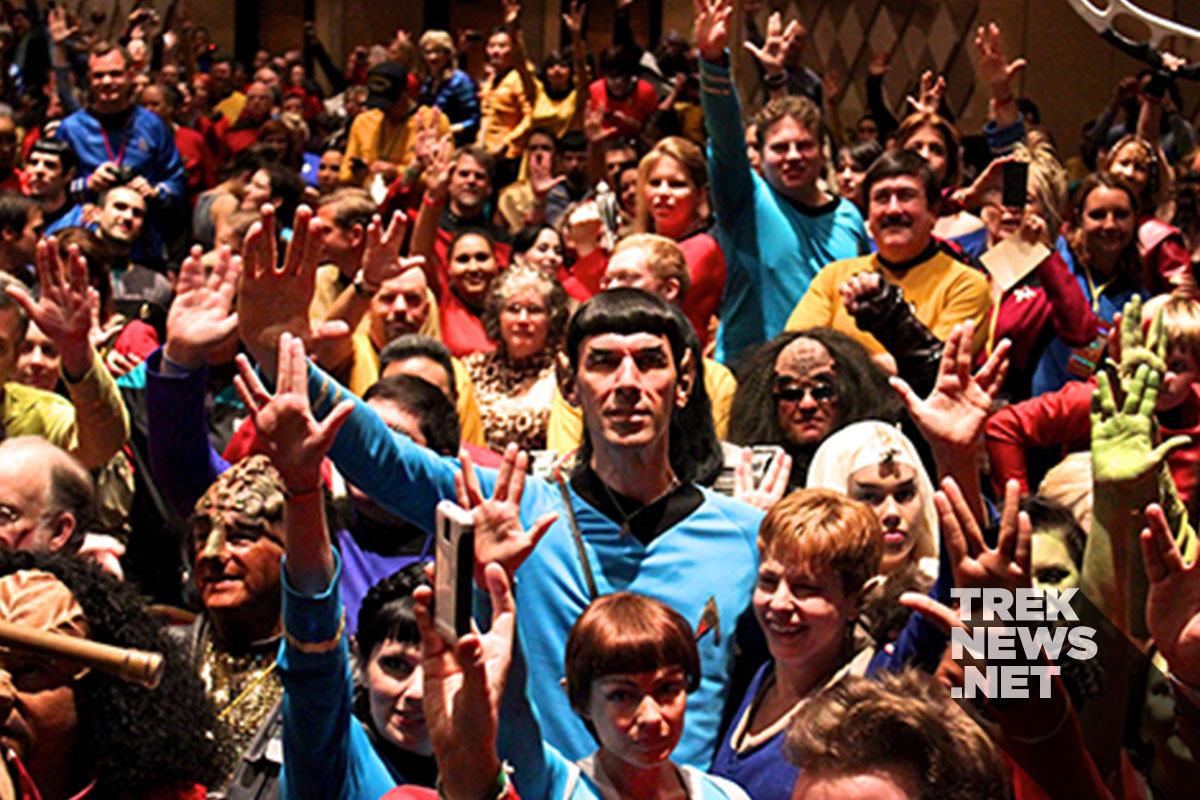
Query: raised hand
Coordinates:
[880,64]
[381,256]
[952,417]
[62,310]
[292,437]
[273,300]
[593,124]
[993,64]
[463,686]
[975,565]
[60,32]
[711,28]
[512,12]
[774,483]
[499,535]
[201,316]
[833,87]
[1122,441]
[541,175]
[931,93]
[1173,604]
[774,48]
[1133,349]
[859,288]
[437,170]
[573,19]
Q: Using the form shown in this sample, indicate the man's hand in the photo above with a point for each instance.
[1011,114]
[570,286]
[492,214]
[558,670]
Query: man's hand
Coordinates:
[952,417]
[60,32]
[573,19]
[975,565]
[272,301]
[437,171]
[291,436]
[381,256]
[593,124]
[774,49]
[711,28]
[463,686]
[512,12]
[859,289]
[1173,604]
[499,535]
[880,64]
[1122,444]
[103,178]
[931,93]
[995,68]
[201,316]
[541,175]
[62,311]
[774,483]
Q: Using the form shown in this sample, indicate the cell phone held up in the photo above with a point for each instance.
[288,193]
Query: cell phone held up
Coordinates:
[453,571]
[1016,180]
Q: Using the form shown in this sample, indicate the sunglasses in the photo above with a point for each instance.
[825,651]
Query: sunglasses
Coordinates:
[821,393]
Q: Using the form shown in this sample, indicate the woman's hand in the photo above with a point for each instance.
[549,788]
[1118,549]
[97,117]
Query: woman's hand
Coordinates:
[201,315]
[995,68]
[1173,604]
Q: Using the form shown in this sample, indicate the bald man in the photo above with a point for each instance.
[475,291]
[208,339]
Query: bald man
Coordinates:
[47,499]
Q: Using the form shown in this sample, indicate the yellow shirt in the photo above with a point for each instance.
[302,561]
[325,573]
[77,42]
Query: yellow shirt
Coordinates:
[553,115]
[92,426]
[506,115]
[943,292]
[565,429]
[372,138]
[231,107]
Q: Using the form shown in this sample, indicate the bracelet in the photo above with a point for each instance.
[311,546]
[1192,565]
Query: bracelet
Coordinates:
[318,647]
[362,288]
[427,200]
[497,791]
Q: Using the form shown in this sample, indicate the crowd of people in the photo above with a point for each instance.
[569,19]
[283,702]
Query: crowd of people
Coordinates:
[735,394]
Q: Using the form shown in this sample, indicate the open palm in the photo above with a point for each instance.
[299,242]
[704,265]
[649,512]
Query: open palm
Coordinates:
[1173,603]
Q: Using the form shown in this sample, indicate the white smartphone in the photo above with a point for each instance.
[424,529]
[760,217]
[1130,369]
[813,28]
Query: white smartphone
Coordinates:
[453,571]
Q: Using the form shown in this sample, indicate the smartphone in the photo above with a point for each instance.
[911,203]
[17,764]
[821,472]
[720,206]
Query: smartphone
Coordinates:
[1016,179]
[453,571]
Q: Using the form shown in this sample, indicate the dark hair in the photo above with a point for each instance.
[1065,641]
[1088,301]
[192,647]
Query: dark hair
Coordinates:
[904,721]
[171,95]
[524,239]
[800,108]
[547,133]
[1033,115]
[903,163]
[436,416]
[695,452]
[862,390]
[1053,517]
[71,490]
[14,211]
[620,60]
[573,142]
[57,147]
[623,633]
[556,58]
[1130,263]
[950,137]
[863,154]
[248,161]
[133,740]
[288,186]
[387,611]
[482,157]
[416,345]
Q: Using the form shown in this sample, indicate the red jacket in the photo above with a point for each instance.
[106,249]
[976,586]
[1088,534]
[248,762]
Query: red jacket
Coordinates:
[706,267]
[1063,418]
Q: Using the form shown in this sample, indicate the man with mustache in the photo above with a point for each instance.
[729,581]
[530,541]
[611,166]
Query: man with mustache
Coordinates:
[903,196]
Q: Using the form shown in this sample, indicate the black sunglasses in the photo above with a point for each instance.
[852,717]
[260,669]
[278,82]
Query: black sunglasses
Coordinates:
[821,393]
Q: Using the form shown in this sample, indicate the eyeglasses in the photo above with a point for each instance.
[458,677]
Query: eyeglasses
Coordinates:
[821,393]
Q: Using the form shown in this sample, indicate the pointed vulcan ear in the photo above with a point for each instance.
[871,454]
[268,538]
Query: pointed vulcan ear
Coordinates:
[687,379]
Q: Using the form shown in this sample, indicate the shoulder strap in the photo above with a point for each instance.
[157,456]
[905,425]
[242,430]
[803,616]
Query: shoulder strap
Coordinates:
[576,534]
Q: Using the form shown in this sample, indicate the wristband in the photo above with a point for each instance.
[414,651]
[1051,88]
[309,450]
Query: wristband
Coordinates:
[361,288]
[432,203]
[498,790]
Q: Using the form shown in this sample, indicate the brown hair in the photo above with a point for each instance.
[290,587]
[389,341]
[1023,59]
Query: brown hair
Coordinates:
[1181,324]
[623,633]
[104,47]
[1157,173]
[798,107]
[664,257]
[691,159]
[825,531]
[904,722]
[1130,262]
[1048,181]
[950,135]
[351,206]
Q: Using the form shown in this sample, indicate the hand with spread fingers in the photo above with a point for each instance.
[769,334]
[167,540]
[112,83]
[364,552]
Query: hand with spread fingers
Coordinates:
[290,434]
[464,683]
[381,259]
[201,316]
[952,417]
[499,535]
[1173,604]
[975,565]
[774,48]
[274,300]
[1134,348]
[711,28]
[1123,440]
[774,483]
[62,309]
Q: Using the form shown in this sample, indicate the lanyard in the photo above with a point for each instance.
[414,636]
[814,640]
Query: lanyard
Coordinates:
[120,156]
[1095,290]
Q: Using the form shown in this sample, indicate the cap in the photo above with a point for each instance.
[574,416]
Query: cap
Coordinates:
[386,83]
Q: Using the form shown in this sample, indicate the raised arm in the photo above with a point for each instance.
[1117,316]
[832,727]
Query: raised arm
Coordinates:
[512,16]
[437,184]
[99,426]
[998,73]
[201,318]
[728,165]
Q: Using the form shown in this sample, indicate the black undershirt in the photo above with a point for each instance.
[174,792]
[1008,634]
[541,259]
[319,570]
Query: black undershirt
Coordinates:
[645,522]
[904,266]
